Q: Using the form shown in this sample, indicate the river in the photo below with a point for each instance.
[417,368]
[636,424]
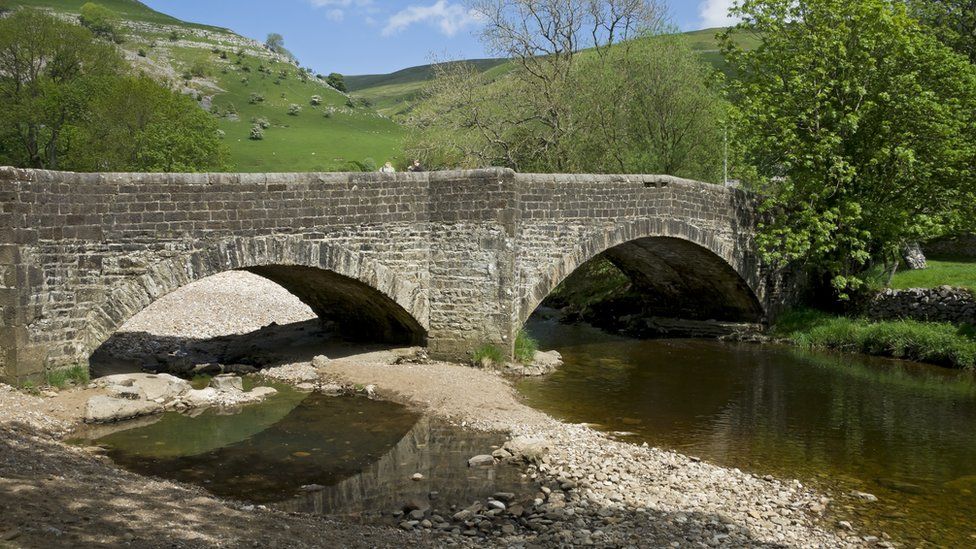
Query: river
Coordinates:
[901,431]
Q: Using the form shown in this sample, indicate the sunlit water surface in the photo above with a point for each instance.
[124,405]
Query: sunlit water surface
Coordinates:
[902,431]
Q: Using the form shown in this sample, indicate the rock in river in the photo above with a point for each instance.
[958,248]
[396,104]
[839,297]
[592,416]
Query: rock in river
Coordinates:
[104,409]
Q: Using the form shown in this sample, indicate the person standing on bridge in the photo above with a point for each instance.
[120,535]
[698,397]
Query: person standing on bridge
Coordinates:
[388,168]
[416,166]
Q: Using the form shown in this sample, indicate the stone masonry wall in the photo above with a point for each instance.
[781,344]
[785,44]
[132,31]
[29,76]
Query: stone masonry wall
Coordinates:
[942,304]
[956,246]
[461,258]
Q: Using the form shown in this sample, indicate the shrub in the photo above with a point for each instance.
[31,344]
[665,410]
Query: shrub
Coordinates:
[255,98]
[142,52]
[294,109]
[223,55]
[525,347]
[263,122]
[173,36]
[316,100]
[199,69]
[257,132]
[488,353]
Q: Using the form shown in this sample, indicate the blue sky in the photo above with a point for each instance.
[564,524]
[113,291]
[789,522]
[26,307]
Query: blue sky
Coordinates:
[377,36]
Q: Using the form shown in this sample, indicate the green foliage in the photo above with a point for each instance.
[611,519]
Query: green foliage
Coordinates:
[65,377]
[337,81]
[952,21]
[142,52]
[255,98]
[939,273]
[859,141]
[173,36]
[488,353]
[294,109]
[137,125]
[932,342]
[525,347]
[49,70]
[101,21]
[257,133]
[650,106]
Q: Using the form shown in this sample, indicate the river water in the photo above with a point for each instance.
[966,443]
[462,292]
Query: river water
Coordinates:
[347,456]
[904,432]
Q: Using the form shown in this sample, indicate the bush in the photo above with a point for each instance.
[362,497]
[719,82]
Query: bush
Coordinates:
[257,133]
[488,353]
[142,52]
[173,36]
[223,55]
[263,122]
[199,69]
[255,98]
[294,109]
[100,20]
[316,100]
[525,347]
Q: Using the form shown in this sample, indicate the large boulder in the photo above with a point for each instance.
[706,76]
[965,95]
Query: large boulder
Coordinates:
[529,449]
[105,409]
[160,388]
[227,383]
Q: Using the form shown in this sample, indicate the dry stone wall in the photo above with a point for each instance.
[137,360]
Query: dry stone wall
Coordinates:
[942,304]
[456,259]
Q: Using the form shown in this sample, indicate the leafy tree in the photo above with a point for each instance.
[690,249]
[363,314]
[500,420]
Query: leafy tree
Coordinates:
[858,129]
[100,20]
[137,125]
[337,81]
[49,69]
[953,21]
[276,44]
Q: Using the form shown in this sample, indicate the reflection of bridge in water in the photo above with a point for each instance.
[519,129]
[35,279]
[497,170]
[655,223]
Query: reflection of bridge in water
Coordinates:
[432,448]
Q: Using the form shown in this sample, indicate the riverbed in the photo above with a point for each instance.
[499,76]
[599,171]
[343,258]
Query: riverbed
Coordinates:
[899,431]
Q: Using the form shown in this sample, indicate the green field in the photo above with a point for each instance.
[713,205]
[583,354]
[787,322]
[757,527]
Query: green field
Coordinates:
[132,10]
[939,273]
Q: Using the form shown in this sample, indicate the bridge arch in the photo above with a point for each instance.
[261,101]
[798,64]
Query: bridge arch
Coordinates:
[674,259]
[371,299]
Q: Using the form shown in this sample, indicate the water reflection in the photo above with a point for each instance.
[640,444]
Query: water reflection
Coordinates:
[361,454]
[901,431]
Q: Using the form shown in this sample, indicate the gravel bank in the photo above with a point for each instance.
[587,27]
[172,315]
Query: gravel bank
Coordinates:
[596,490]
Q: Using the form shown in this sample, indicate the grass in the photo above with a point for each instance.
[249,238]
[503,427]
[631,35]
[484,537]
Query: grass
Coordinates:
[932,342]
[525,348]
[490,353]
[952,273]
[128,9]
[64,377]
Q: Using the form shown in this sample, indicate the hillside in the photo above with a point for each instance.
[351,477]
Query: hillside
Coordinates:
[393,94]
[242,83]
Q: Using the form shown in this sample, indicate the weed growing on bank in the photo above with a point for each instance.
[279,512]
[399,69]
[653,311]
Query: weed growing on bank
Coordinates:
[490,353]
[525,348]
[61,378]
[933,342]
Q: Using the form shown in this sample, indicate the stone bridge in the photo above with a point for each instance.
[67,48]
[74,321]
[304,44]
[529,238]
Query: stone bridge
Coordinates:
[453,260]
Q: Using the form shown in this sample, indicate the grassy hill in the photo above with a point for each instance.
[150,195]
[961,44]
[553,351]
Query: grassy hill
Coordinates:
[393,94]
[227,73]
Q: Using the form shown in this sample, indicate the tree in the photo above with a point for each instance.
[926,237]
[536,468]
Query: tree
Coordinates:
[858,142]
[337,81]
[101,21]
[532,116]
[48,71]
[276,44]
[953,21]
[134,124]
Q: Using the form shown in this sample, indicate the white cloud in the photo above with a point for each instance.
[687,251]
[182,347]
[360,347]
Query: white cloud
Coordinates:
[336,14]
[715,13]
[337,8]
[449,18]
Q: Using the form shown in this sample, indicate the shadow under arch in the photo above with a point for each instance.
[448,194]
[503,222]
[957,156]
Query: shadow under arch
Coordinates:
[366,299]
[681,271]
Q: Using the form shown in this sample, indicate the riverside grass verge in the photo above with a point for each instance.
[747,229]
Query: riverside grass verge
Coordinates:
[938,343]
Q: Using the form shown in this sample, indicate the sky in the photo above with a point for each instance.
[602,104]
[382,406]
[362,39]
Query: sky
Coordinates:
[378,36]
